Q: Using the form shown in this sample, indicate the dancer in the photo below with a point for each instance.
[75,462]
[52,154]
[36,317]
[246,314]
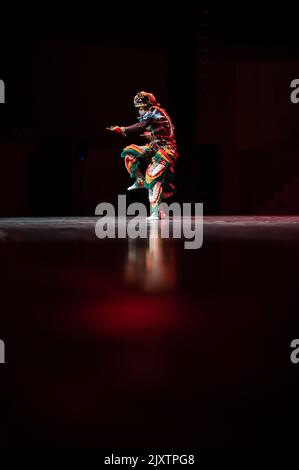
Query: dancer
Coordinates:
[160,153]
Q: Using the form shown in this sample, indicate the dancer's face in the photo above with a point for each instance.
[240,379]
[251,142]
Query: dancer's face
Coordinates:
[141,110]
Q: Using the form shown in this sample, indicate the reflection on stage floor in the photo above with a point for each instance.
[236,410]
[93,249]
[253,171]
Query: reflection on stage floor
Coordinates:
[140,342]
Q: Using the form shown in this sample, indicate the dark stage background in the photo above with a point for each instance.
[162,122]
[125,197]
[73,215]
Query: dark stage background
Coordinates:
[223,75]
[142,343]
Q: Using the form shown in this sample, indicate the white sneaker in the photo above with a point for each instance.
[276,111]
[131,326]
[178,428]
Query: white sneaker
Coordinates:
[134,186]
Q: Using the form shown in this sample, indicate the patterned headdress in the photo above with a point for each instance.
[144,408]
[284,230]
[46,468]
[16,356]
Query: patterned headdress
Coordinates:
[144,99]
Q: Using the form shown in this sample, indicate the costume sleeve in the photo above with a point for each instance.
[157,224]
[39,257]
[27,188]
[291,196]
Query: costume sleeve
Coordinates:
[139,126]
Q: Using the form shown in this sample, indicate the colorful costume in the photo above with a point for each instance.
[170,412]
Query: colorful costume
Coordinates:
[160,153]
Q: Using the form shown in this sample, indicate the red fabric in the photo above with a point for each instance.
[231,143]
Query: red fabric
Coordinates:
[117,130]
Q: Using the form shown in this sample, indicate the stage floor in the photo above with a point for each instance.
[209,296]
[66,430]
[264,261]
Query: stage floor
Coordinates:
[140,343]
[83,228]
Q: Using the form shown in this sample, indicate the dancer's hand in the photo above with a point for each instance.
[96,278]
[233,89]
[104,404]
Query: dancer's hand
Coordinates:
[117,129]
[147,135]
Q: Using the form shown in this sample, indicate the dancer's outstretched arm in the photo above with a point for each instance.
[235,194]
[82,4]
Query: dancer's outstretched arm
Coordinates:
[139,126]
